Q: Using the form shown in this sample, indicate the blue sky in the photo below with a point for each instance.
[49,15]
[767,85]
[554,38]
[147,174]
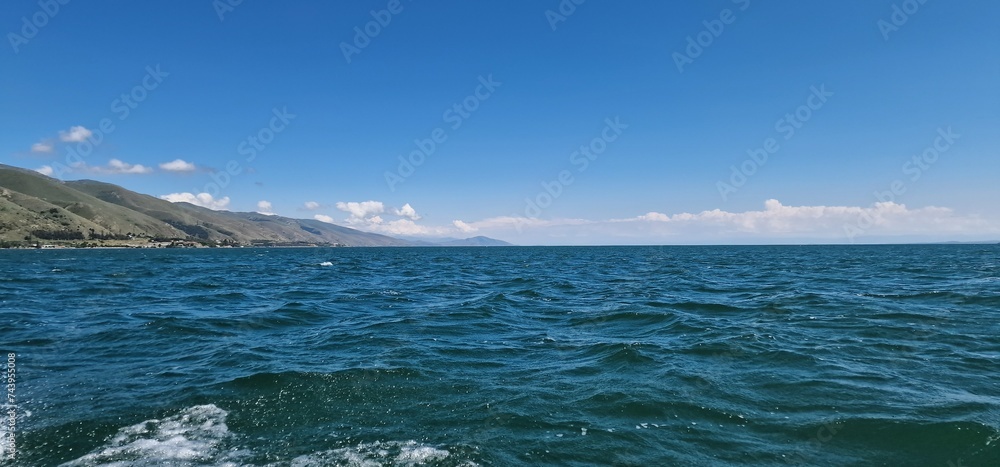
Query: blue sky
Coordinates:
[869,86]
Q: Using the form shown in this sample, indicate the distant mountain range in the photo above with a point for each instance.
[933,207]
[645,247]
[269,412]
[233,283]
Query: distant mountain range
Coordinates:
[36,208]
[472,241]
[476,241]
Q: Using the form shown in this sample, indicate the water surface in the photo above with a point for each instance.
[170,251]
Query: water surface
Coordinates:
[818,355]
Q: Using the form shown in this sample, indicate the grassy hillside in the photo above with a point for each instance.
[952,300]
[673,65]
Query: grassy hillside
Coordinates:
[33,204]
[47,203]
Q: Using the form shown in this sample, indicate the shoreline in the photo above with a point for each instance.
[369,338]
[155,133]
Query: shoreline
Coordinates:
[230,247]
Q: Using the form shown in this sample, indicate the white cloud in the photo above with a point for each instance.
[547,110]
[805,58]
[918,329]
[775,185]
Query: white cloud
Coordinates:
[408,212]
[311,205]
[75,134]
[407,227]
[45,170]
[178,165]
[830,221]
[323,218]
[42,147]
[204,200]
[404,227]
[654,216]
[776,222]
[361,211]
[512,222]
[366,216]
[463,227]
[116,166]
[264,207]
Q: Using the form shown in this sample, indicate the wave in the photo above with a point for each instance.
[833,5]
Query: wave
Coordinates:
[199,435]
[196,435]
[378,453]
[921,296]
[626,316]
[910,442]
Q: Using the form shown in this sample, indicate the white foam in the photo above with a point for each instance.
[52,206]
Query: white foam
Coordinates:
[199,436]
[192,437]
[379,453]
[411,454]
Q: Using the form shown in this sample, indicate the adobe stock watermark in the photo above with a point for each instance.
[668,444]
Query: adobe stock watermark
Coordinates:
[699,43]
[899,16]
[787,127]
[222,7]
[363,35]
[914,168]
[456,115]
[249,148]
[8,434]
[581,159]
[824,435]
[122,106]
[563,10]
[30,27]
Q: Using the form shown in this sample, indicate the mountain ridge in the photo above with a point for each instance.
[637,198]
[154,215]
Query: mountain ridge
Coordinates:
[36,208]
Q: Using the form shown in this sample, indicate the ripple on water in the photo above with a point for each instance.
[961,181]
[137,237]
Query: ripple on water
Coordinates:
[512,356]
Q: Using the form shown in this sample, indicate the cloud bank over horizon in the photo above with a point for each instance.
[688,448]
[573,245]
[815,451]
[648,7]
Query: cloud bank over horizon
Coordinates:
[775,223]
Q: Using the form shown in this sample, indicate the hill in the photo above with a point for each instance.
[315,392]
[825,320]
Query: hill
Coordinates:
[476,241]
[34,207]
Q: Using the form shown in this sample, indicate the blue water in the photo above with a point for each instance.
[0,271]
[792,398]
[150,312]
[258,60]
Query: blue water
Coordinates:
[812,355]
